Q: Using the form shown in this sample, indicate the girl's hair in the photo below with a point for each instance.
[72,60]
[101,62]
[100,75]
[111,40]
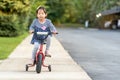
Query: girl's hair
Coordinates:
[41,7]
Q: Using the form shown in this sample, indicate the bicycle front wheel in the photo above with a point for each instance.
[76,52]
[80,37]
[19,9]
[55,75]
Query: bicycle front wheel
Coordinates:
[39,64]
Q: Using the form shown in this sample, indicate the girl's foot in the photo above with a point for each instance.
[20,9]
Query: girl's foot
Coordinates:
[47,54]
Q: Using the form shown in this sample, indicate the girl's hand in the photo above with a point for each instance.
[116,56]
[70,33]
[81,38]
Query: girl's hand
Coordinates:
[54,33]
[31,31]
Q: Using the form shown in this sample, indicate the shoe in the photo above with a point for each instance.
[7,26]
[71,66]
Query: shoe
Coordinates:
[49,68]
[27,67]
[47,55]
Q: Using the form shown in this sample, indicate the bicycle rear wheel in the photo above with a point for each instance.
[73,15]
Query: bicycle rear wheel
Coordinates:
[39,64]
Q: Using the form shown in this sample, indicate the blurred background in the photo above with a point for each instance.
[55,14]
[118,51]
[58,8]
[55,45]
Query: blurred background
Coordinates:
[17,15]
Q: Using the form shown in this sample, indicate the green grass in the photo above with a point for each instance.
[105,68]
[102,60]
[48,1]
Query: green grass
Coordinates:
[8,44]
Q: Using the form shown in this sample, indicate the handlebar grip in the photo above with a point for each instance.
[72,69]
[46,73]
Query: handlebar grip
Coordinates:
[54,32]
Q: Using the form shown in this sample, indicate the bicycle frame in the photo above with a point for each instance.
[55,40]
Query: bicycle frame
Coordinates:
[40,51]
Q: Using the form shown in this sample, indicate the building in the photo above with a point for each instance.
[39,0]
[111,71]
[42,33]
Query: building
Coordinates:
[110,18]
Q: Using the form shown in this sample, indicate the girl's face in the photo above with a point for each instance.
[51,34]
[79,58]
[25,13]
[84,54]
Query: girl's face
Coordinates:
[41,14]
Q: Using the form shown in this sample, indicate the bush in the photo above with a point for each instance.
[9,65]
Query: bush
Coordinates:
[13,17]
[10,26]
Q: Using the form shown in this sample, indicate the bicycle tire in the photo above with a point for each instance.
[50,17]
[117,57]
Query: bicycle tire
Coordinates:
[39,64]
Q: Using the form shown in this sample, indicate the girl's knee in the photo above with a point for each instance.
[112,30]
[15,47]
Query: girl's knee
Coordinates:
[36,47]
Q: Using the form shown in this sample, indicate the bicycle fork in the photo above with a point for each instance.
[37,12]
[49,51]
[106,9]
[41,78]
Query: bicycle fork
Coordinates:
[40,52]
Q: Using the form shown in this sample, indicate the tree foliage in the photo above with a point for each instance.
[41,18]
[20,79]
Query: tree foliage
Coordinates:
[33,7]
[62,10]
[12,16]
[17,15]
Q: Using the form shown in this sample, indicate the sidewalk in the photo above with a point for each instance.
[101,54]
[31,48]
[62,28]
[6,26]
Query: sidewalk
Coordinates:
[63,66]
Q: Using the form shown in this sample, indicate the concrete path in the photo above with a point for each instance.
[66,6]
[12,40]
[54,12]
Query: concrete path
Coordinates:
[63,66]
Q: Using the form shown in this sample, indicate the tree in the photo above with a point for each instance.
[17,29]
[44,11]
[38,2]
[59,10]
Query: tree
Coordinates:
[33,7]
[12,16]
[62,10]
[55,10]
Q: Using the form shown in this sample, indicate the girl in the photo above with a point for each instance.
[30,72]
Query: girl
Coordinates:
[41,22]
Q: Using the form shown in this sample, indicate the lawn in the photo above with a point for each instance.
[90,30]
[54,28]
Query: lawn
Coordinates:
[8,44]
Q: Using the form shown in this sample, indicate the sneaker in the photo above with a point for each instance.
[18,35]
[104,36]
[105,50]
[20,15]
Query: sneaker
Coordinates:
[47,54]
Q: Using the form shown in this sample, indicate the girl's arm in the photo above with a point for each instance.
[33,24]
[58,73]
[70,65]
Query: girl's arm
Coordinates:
[52,28]
[31,28]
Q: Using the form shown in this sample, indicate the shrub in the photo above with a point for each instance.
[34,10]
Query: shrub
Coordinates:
[9,26]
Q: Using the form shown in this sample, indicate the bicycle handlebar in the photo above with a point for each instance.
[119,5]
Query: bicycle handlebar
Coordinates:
[42,33]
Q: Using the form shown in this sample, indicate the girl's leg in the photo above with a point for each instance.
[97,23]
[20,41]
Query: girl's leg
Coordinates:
[48,43]
[36,46]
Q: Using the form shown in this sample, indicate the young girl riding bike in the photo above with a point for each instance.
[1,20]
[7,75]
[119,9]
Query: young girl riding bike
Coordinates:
[41,23]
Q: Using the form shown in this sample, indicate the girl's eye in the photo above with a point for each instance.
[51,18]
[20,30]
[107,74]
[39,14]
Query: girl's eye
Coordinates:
[41,13]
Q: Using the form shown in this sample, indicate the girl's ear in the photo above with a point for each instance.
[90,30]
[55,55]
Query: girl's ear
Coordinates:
[46,15]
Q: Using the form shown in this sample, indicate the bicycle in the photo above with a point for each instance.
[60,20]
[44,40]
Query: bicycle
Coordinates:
[40,56]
